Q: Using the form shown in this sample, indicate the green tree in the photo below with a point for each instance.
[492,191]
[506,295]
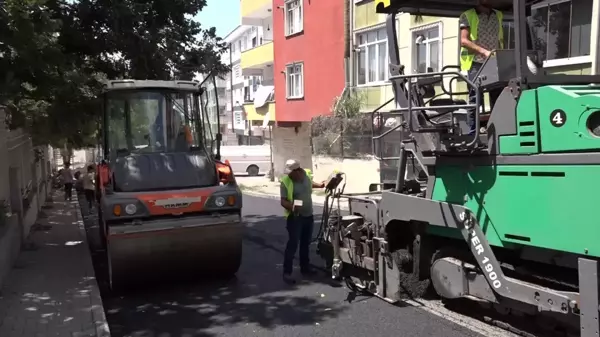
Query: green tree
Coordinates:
[348,105]
[142,39]
[54,55]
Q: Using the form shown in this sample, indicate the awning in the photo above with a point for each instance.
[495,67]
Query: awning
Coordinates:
[262,94]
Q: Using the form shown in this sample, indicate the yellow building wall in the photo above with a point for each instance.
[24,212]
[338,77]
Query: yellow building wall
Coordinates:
[375,96]
[573,69]
[365,16]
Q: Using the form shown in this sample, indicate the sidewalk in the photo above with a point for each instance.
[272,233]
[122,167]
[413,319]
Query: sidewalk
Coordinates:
[51,290]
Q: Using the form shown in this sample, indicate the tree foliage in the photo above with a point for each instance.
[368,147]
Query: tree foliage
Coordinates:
[54,55]
[347,131]
[349,104]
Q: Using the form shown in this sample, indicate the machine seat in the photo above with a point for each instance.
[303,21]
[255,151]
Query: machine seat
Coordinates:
[440,102]
[447,101]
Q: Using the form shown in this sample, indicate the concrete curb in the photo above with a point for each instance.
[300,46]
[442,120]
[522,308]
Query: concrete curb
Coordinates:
[260,194]
[97,309]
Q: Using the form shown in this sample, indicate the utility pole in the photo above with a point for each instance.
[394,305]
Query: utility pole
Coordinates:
[231,87]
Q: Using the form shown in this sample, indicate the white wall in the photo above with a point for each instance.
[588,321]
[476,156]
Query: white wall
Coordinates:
[360,173]
[242,38]
[268,76]
[267,29]
[289,144]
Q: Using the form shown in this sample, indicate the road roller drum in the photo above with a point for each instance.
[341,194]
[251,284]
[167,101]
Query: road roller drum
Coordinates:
[207,247]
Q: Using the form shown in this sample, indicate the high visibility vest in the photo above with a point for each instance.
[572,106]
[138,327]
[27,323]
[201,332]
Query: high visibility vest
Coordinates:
[289,187]
[466,56]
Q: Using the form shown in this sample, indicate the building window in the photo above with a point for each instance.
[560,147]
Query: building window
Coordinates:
[562,30]
[295,80]
[255,82]
[250,86]
[427,55]
[372,57]
[247,94]
[238,117]
[293,17]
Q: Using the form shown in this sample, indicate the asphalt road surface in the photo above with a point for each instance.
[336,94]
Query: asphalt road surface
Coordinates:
[258,303]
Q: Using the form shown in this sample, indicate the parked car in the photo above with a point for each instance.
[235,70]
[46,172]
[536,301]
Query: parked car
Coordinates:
[252,160]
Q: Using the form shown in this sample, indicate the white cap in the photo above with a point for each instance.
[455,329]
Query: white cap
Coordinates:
[290,165]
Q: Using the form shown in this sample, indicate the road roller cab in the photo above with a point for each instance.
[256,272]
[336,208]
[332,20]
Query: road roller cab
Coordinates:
[168,206]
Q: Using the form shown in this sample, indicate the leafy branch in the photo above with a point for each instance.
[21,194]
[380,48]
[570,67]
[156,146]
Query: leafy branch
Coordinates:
[54,55]
[349,104]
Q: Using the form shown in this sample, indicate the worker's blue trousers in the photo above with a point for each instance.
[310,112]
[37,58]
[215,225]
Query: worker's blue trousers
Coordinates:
[300,233]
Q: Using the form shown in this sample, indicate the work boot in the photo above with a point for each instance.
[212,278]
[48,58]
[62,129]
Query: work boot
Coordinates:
[287,278]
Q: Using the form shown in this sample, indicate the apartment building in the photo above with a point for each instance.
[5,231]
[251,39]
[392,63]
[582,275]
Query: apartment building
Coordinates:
[301,58]
[240,88]
[256,63]
[294,61]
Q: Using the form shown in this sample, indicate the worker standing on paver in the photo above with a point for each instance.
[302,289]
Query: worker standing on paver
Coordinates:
[481,33]
[296,199]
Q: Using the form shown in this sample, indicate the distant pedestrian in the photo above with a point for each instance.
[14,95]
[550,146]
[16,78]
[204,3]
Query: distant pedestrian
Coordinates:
[296,199]
[89,186]
[67,178]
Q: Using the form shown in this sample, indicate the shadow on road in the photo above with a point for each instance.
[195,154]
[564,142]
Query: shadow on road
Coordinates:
[257,297]
[198,309]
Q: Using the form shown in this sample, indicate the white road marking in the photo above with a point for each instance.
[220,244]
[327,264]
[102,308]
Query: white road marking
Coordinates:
[437,308]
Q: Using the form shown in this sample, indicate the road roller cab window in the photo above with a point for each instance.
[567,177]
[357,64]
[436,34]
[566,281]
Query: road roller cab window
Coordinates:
[151,121]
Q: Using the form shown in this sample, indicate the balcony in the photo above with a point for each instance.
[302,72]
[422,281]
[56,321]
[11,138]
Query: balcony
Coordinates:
[256,59]
[253,11]
[260,114]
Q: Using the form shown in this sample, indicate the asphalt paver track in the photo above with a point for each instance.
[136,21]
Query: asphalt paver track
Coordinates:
[257,302]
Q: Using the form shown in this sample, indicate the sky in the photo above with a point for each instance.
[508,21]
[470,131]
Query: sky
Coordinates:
[222,14]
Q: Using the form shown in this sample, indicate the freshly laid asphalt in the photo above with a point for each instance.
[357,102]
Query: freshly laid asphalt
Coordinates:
[257,302]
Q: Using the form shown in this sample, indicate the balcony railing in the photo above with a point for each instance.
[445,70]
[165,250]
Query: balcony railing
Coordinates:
[257,57]
[259,114]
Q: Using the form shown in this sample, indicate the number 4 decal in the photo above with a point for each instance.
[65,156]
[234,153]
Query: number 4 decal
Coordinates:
[558,118]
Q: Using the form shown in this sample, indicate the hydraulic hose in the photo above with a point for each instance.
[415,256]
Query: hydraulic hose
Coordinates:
[331,196]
